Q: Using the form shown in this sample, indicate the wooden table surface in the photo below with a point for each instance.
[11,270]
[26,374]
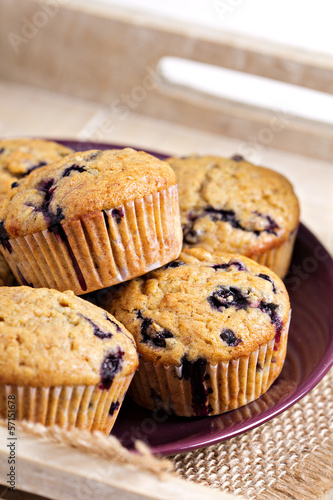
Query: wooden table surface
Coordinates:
[28,111]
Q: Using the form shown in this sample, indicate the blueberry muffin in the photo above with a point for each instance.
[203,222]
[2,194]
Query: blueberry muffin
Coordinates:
[211,331]
[18,157]
[65,361]
[230,205]
[91,220]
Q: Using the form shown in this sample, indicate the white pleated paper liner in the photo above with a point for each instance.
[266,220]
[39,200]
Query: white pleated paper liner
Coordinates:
[84,407]
[222,387]
[278,259]
[100,249]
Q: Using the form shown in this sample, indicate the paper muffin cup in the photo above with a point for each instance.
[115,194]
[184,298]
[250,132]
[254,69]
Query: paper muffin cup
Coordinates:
[100,249]
[219,388]
[278,259]
[84,407]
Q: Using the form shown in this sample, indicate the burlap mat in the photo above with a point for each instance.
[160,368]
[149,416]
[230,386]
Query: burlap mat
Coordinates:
[290,457]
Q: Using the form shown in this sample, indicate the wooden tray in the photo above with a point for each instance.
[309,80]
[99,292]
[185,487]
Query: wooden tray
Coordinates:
[109,56]
[107,53]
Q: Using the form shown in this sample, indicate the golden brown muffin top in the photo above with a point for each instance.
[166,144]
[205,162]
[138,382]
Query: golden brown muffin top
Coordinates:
[212,306]
[80,184]
[18,157]
[230,205]
[49,338]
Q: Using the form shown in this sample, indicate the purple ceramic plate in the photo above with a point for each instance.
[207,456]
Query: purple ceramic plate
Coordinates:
[309,357]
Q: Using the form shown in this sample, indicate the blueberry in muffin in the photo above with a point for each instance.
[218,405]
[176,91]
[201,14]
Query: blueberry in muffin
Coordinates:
[211,332]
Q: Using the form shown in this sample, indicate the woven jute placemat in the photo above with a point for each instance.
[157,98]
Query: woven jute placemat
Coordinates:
[290,457]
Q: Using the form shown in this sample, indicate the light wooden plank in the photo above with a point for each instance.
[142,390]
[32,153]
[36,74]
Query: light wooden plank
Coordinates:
[112,53]
[312,179]
[60,472]
[137,32]
[238,120]
[29,111]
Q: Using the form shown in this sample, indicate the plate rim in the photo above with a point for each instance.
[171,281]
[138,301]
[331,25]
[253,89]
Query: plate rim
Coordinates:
[302,390]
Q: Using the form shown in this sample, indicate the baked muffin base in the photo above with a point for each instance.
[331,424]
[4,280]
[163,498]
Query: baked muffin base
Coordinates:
[100,249]
[217,389]
[84,407]
[278,259]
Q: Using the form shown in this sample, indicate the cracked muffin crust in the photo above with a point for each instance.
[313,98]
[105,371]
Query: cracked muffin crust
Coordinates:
[199,317]
[80,184]
[182,311]
[19,157]
[230,205]
[55,340]
[115,214]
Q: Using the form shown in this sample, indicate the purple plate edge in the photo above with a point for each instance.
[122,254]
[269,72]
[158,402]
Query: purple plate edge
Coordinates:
[190,444]
[104,145]
[310,383]
[304,389]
